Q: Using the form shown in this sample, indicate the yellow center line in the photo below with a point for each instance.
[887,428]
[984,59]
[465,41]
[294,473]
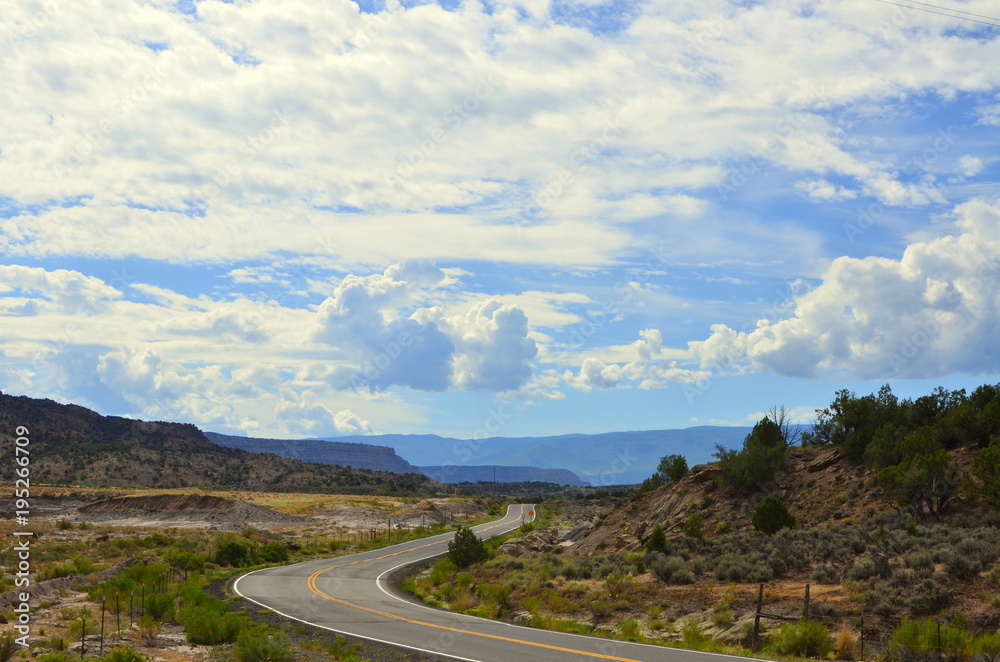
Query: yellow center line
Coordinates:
[315,589]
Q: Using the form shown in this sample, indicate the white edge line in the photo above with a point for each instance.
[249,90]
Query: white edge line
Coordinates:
[236,589]
[344,632]
[381,587]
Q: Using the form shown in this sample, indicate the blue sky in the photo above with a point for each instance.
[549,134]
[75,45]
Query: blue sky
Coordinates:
[521,217]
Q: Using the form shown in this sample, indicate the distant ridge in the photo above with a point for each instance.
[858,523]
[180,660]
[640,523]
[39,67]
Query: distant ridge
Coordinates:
[602,459]
[477,474]
[346,454]
[72,444]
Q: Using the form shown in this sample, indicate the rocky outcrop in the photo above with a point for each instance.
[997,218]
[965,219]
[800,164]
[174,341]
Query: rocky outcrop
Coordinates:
[538,541]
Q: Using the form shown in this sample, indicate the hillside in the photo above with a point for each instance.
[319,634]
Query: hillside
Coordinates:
[478,474]
[71,444]
[353,454]
[820,486]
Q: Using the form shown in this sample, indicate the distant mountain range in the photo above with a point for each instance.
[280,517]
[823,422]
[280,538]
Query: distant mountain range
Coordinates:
[610,458]
[358,455]
[485,474]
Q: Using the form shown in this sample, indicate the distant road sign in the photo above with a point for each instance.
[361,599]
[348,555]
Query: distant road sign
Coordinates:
[531,513]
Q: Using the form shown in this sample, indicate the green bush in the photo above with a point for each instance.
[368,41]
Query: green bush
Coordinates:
[466,549]
[235,551]
[986,648]
[916,641]
[930,598]
[762,455]
[159,606]
[671,570]
[263,645]
[770,515]
[825,574]
[274,552]
[8,647]
[123,654]
[861,570]
[693,526]
[657,540]
[673,467]
[733,568]
[210,624]
[805,638]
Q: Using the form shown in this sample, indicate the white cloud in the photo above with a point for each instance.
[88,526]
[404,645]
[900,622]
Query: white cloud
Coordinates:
[492,348]
[297,115]
[820,190]
[970,166]
[933,312]
[71,291]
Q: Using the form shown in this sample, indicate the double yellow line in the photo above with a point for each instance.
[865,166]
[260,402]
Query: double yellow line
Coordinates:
[315,589]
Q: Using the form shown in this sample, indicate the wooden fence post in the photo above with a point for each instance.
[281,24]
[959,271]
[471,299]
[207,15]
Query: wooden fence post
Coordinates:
[756,619]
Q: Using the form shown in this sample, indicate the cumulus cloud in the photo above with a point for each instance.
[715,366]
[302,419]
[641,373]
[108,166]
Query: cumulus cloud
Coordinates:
[932,312]
[362,319]
[71,291]
[492,349]
[650,366]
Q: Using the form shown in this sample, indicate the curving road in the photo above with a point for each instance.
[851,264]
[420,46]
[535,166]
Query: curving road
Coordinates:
[351,595]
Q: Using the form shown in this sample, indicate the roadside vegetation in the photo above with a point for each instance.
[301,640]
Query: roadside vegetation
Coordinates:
[917,580]
[153,586]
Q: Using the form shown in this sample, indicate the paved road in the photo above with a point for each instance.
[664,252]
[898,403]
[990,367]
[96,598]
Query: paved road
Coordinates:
[351,595]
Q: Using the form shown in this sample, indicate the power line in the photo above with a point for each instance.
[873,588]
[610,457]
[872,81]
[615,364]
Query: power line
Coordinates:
[929,11]
[957,11]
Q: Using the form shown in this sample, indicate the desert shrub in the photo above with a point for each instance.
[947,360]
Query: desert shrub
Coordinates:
[56,656]
[962,567]
[158,605]
[466,549]
[8,646]
[806,638]
[777,562]
[929,598]
[919,560]
[210,624]
[699,565]
[733,568]
[578,569]
[605,568]
[671,570]
[861,570]
[986,648]
[693,637]
[770,515]
[673,467]
[916,641]
[845,644]
[629,628]
[262,645]
[693,526]
[825,574]
[123,654]
[657,540]
[274,552]
[234,551]
[761,572]
[760,458]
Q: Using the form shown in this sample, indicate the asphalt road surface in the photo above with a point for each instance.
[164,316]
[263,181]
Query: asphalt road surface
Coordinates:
[351,595]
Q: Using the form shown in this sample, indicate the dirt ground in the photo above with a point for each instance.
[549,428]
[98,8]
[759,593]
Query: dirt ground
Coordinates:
[65,516]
